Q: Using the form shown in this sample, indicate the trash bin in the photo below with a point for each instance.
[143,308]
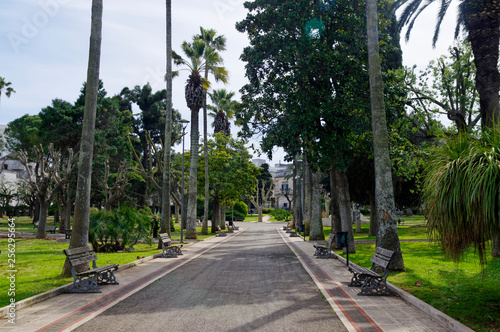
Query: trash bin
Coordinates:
[341,240]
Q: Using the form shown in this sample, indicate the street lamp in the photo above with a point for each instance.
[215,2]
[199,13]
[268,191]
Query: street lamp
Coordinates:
[182,181]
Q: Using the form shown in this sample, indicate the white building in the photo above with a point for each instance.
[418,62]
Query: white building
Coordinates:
[283,183]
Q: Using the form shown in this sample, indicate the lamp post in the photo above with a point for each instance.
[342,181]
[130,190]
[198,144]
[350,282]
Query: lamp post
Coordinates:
[182,179]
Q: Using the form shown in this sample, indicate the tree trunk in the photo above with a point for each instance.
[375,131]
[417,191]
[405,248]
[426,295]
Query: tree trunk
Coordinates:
[387,236]
[336,222]
[495,247]
[484,36]
[193,178]
[316,229]
[344,203]
[223,216]
[373,214]
[177,214]
[42,223]
[215,215]
[68,205]
[307,196]
[297,206]
[80,233]
[36,211]
[165,193]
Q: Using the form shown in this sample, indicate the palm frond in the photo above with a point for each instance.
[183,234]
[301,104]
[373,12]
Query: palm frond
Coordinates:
[445,4]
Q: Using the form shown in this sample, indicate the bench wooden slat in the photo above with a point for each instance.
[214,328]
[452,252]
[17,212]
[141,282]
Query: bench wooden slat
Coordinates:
[82,260]
[79,250]
[97,270]
[380,261]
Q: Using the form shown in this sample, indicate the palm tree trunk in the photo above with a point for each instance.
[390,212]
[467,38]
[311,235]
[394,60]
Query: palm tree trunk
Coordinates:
[193,177]
[484,35]
[204,229]
[80,233]
[165,202]
[387,236]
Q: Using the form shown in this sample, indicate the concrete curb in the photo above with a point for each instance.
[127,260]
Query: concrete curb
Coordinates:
[441,317]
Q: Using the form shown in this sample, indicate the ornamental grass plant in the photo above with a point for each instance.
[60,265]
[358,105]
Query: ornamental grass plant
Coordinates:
[462,193]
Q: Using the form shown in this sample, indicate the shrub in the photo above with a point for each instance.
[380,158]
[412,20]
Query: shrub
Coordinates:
[267,210]
[110,231]
[281,214]
[240,210]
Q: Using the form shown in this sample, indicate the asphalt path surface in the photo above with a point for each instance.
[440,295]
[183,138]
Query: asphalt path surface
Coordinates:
[252,282]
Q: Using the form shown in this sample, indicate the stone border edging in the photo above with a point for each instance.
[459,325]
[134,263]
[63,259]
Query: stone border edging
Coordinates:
[441,317]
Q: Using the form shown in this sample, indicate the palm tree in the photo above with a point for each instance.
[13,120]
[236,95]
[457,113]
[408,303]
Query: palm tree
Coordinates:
[222,110]
[199,57]
[5,87]
[80,234]
[481,19]
[219,44]
[387,234]
[165,203]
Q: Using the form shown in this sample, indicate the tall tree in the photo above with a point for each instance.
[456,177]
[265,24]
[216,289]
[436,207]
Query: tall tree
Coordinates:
[79,236]
[46,178]
[218,44]
[5,88]
[166,188]
[452,91]
[387,234]
[263,191]
[303,74]
[199,56]
[481,19]
[232,175]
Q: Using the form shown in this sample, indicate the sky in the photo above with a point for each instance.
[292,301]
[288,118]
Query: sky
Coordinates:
[44,48]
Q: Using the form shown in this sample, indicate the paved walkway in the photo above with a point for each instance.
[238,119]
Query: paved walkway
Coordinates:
[66,312]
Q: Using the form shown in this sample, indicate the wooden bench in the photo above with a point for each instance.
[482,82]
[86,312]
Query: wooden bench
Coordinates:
[325,251]
[370,281]
[87,281]
[238,219]
[400,221]
[288,226]
[230,229]
[220,232]
[169,250]
[48,229]
[68,233]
